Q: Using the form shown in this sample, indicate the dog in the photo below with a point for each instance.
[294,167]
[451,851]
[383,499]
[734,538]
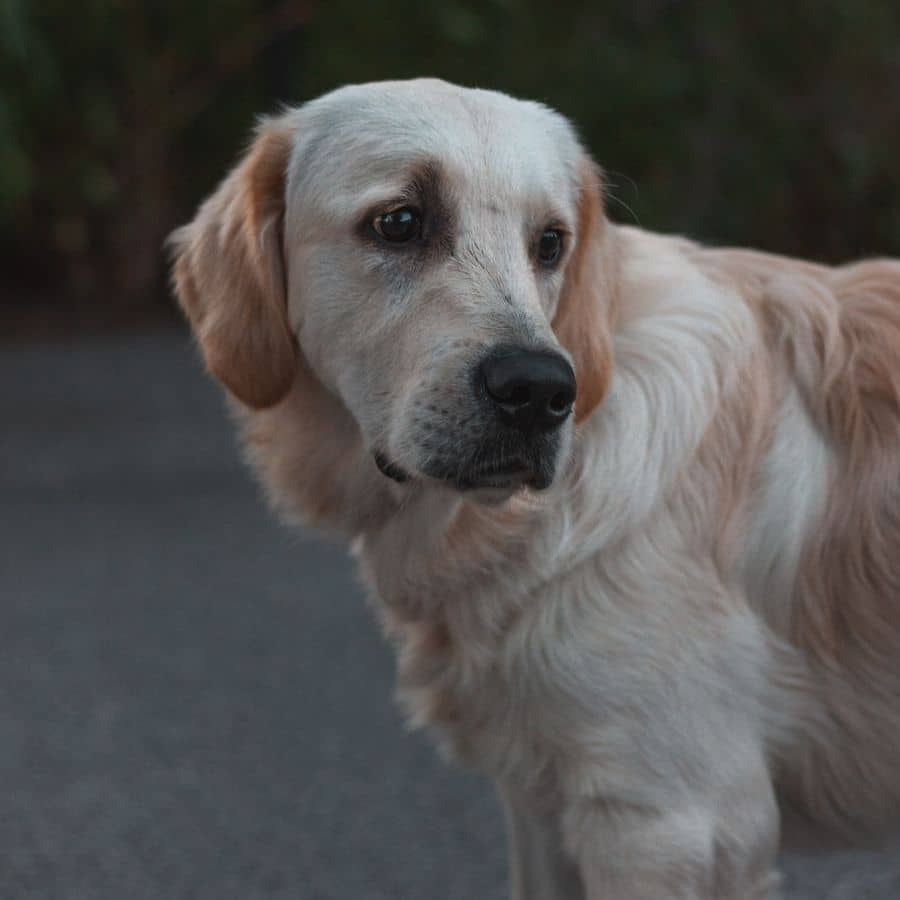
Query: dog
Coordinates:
[629,506]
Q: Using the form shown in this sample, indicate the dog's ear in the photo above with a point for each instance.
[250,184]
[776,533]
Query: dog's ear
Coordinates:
[229,274]
[582,319]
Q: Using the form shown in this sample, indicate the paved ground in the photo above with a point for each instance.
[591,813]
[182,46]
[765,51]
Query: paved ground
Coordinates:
[195,703]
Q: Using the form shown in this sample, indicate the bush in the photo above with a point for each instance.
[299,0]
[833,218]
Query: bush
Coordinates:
[771,125]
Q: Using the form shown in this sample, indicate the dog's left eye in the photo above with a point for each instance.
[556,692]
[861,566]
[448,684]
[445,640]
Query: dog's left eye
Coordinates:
[399,225]
[549,247]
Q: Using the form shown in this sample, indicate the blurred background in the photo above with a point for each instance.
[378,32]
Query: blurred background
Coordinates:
[194,702]
[774,124]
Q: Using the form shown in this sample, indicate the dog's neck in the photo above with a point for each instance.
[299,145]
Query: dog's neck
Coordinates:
[437,544]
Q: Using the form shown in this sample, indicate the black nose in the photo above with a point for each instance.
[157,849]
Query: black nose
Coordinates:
[532,390]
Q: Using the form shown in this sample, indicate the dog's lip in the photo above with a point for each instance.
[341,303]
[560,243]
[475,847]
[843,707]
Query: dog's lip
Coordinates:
[506,475]
[389,469]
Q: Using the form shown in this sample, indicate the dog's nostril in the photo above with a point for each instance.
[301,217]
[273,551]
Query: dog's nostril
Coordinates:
[561,401]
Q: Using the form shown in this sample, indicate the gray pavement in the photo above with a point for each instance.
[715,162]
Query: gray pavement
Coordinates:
[195,702]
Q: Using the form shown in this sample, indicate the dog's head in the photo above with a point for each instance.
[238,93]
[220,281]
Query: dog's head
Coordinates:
[435,257]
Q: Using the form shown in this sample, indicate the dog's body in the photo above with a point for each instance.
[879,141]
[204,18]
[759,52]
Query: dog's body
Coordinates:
[698,621]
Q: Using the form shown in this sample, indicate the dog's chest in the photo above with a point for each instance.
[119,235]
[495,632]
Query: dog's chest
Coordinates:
[458,612]
[460,674]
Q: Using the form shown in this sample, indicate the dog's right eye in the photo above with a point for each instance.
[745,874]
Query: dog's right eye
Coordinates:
[399,225]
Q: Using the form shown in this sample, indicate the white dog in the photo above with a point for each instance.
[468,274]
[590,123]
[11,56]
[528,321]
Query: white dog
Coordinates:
[630,506]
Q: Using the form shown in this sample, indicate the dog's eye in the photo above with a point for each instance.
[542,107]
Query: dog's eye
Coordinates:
[549,247]
[399,225]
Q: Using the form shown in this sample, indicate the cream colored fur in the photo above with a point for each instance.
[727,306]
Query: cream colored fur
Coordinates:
[699,621]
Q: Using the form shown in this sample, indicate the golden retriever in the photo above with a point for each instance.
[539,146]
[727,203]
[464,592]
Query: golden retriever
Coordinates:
[629,506]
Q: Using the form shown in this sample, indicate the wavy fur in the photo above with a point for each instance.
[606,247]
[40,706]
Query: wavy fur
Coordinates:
[699,622]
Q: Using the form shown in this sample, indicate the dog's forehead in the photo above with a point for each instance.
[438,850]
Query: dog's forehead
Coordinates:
[367,138]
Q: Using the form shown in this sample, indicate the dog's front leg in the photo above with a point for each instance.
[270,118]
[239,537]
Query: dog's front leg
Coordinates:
[539,867]
[712,846]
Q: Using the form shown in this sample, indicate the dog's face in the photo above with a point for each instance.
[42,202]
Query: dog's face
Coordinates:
[426,247]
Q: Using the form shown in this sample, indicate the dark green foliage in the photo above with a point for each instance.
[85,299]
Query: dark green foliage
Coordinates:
[771,124]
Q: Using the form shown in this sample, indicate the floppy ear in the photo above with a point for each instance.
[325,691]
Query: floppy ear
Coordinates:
[582,320]
[229,274]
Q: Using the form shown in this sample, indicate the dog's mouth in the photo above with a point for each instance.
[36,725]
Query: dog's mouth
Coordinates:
[504,474]
[389,469]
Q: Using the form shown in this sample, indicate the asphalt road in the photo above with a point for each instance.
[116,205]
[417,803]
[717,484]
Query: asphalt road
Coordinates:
[194,702]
